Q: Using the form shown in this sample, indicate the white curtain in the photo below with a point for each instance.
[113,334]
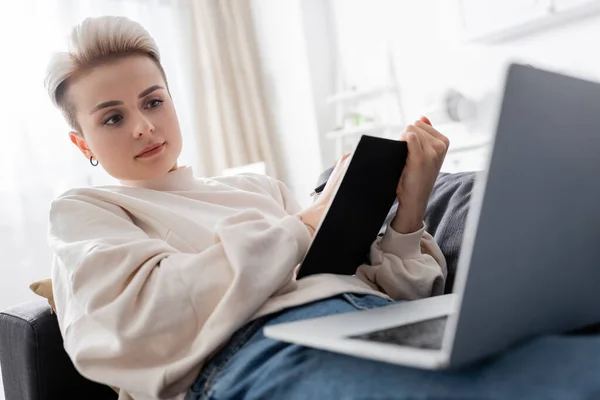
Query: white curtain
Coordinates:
[37,160]
[234,125]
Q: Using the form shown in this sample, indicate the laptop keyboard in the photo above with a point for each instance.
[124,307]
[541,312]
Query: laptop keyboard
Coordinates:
[427,334]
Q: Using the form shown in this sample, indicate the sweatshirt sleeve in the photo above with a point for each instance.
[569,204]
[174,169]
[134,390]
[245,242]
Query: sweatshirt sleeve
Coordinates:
[405,266]
[116,288]
[284,196]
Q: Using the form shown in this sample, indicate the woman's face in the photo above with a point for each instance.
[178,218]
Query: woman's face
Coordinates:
[127,118]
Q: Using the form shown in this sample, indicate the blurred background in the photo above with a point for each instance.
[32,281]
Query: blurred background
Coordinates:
[282,87]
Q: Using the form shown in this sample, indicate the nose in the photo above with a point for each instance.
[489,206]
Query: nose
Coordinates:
[143,127]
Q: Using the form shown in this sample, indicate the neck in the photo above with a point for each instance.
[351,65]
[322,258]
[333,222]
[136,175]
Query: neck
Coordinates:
[178,178]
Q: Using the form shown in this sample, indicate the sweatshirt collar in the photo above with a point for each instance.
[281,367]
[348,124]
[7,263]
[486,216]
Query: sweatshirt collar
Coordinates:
[179,179]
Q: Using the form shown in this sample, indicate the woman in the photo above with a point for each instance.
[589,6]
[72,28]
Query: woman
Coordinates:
[163,284]
[153,276]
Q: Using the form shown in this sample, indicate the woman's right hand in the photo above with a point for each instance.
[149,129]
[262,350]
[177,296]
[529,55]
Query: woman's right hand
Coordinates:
[312,215]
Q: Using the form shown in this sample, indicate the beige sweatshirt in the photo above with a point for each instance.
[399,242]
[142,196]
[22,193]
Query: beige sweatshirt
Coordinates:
[152,277]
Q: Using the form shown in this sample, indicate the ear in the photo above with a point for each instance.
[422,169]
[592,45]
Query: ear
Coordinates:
[79,141]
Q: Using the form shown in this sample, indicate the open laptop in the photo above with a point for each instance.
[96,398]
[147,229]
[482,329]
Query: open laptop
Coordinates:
[530,256]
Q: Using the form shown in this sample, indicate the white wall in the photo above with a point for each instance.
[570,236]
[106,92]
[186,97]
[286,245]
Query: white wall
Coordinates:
[319,33]
[286,76]
[297,45]
[429,62]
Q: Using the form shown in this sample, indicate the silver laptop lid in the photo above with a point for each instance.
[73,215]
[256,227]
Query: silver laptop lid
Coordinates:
[531,246]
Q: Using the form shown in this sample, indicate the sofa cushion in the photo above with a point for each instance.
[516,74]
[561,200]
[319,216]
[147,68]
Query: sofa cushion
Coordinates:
[43,288]
[446,216]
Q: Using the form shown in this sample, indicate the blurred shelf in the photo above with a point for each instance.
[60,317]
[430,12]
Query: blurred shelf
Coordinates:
[357,95]
[363,130]
[467,153]
[555,16]
[461,145]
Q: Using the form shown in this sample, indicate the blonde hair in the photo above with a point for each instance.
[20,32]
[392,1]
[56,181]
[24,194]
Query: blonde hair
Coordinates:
[93,42]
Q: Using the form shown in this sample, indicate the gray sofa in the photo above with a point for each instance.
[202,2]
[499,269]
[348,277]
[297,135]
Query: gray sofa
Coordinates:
[36,367]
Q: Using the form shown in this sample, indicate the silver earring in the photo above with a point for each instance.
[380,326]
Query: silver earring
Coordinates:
[92,161]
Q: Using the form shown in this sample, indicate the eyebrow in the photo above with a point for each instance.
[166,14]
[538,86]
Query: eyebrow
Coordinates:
[106,104]
[113,103]
[149,90]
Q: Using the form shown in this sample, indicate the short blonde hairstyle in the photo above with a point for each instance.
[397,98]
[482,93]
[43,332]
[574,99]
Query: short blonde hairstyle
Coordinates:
[93,42]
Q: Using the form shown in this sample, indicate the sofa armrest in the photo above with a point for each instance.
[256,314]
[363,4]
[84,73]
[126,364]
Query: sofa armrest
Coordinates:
[34,363]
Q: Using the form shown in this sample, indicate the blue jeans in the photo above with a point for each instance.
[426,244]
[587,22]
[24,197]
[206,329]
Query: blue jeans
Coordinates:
[252,366]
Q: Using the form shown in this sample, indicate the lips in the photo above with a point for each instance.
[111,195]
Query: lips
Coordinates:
[148,150]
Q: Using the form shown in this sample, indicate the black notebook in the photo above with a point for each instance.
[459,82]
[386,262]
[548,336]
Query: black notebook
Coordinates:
[358,209]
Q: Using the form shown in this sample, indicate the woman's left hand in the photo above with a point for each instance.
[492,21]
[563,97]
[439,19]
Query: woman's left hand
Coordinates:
[426,152]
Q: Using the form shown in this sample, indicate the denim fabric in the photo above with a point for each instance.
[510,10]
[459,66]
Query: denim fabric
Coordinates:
[251,366]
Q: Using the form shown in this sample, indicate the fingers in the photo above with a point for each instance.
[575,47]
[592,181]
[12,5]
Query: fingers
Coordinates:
[425,124]
[345,156]
[411,137]
[426,120]
[338,171]
[432,147]
[431,130]
[342,162]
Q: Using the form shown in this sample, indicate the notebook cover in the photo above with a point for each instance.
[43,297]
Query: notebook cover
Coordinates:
[358,209]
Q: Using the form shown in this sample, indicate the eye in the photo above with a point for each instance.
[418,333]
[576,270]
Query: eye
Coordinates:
[154,103]
[113,120]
